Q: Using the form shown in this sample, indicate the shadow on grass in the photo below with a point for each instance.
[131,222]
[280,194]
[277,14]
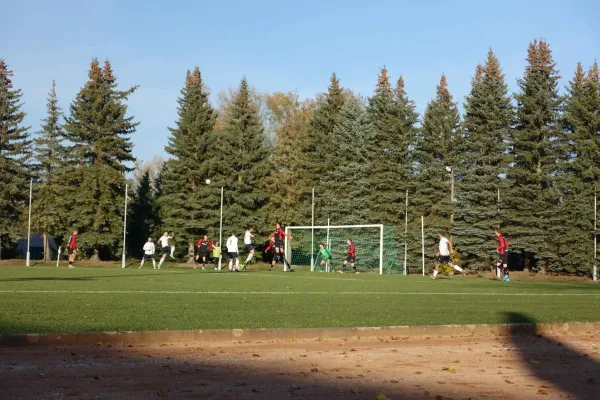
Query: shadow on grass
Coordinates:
[557,363]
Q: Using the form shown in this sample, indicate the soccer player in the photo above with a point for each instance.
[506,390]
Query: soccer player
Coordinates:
[351,256]
[166,249]
[325,255]
[248,236]
[443,255]
[72,247]
[278,235]
[203,245]
[232,252]
[502,251]
[149,250]
[172,243]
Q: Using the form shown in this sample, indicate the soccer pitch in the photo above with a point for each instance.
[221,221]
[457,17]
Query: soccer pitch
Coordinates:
[60,300]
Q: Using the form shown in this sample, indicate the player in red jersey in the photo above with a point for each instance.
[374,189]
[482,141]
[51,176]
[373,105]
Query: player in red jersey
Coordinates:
[351,252]
[203,245]
[502,251]
[72,247]
[278,235]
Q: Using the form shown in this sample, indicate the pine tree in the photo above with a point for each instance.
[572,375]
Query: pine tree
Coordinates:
[488,119]
[99,130]
[319,143]
[286,188]
[579,169]
[394,119]
[52,166]
[435,149]
[532,200]
[15,157]
[244,164]
[188,205]
[143,217]
[347,183]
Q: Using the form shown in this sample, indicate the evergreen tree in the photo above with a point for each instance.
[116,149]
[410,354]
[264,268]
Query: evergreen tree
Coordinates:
[52,166]
[435,149]
[579,169]
[15,157]
[285,185]
[488,119]
[244,164]
[394,120]
[99,130]
[143,217]
[532,200]
[347,183]
[188,205]
[319,144]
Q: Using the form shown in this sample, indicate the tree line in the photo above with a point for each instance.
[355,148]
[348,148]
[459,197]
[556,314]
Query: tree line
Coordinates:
[527,162]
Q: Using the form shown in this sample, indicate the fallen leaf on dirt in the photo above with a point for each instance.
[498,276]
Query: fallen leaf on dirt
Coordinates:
[73,394]
[382,397]
[393,381]
[441,383]
[449,369]
[314,370]
[96,377]
[162,391]
[98,343]
[255,390]
[255,355]
[295,387]
[542,392]
[426,393]
[507,381]
[534,361]
[418,373]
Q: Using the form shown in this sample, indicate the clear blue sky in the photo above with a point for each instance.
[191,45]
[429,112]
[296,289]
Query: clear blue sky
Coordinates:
[278,46]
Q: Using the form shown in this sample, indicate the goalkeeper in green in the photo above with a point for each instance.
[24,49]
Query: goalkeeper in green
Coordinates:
[325,255]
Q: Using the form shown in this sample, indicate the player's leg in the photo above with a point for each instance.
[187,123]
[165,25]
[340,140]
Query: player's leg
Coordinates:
[250,255]
[172,251]
[435,270]
[456,267]
[203,262]
[237,262]
[142,263]
[505,271]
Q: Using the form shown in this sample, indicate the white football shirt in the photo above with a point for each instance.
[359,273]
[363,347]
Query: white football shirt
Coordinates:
[149,248]
[164,241]
[232,244]
[444,250]
[247,238]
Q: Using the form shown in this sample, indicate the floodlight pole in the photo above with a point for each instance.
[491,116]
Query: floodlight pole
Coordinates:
[29,223]
[312,235]
[124,228]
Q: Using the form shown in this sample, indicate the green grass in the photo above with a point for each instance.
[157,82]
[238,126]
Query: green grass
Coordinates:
[47,299]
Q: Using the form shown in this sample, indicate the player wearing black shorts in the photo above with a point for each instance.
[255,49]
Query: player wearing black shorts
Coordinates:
[203,251]
[443,256]
[278,236]
[502,251]
[166,248]
[351,256]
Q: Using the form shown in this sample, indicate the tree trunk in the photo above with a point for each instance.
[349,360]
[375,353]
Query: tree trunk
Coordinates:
[95,257]
[47,257]
[191,259]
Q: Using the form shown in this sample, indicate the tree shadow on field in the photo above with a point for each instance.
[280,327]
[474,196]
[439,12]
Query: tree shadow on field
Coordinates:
[559,364]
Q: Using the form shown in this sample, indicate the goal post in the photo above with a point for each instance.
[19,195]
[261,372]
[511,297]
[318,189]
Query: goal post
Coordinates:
[370,240]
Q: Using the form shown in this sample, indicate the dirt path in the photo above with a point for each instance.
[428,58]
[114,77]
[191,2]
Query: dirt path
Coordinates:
[491,367]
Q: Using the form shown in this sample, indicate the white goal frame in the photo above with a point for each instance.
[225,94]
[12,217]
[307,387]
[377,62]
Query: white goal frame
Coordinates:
[329,227]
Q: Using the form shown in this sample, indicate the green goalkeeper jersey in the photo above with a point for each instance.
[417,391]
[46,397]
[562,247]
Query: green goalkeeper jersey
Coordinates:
[325,254]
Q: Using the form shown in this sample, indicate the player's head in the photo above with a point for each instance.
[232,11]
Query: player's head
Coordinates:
[321,245]
[233,233]
[75,232]
[349,241]
[149,239]
[166,233]
[498,232]
[442,234]
[277,225]
[249,229]
[205,237]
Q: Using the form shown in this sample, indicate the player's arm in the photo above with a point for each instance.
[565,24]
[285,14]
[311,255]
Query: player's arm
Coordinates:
[211,245]
[450,246]
[285,234]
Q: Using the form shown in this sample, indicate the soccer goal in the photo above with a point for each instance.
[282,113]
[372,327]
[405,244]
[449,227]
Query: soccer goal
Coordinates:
[374,246]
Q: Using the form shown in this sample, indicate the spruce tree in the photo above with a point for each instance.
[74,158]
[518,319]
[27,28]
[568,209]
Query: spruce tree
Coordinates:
[579,169]
[99,128]
[318,145]
[189,206]
[287,190]
[347,183]
[532,203]
[488,119]
[52,169]
[394,119]
[435,149]
[15,155]
[244,165]
[143,217]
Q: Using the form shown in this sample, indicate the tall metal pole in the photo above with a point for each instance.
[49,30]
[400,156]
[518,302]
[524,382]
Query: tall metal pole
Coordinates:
[221,231]
[406,232]
[328,245]
[312,240]
[124,228]
[29,223]
[423,244]
[594,272]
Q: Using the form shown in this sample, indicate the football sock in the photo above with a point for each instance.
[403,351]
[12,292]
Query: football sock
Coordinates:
[237,264]
[459,269]
[154,263]
[142,263]
[249,258]
[435,273]
[230,264]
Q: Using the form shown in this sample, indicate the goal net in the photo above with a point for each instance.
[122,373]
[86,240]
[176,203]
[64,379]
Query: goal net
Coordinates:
[375,247]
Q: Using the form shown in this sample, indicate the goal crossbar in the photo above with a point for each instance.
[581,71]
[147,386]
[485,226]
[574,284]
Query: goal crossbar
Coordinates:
[379,226]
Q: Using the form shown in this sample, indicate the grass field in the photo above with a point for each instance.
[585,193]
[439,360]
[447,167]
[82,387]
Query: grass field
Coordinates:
[43,299]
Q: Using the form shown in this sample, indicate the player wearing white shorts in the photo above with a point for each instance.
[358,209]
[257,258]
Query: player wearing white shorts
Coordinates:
[443,255]
[149,250]
[248,236]
[166,249]
[233,252]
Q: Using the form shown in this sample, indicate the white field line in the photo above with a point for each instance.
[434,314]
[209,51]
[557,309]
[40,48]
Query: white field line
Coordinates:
[294,293]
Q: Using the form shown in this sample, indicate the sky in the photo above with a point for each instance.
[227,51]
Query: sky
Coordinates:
[278,46]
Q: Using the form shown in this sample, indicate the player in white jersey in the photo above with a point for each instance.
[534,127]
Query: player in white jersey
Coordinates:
[233,252]
[149,250]
[166,249]
[248,236]
[443,255]
[172,244]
